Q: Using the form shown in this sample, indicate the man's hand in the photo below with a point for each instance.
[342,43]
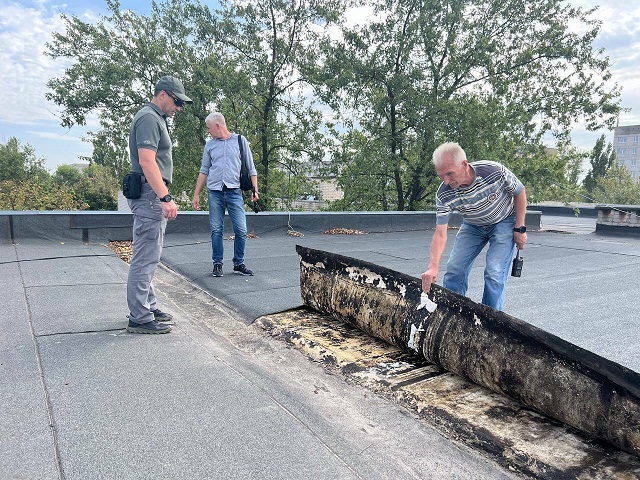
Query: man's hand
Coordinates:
[429,277]
[520,239]
[254,196]
[196,202]
[169,210]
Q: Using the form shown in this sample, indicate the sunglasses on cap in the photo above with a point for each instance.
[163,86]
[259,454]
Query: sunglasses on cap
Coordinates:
[176,100]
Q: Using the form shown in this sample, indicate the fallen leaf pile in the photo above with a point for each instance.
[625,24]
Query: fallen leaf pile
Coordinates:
[344,231]
[249,235]
[124,250]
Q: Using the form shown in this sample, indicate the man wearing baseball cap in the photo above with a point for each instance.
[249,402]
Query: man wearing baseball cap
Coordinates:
[150,153]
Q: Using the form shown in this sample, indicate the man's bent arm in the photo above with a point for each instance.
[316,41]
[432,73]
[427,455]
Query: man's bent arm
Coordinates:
[520,204]
[438,243]
[147,160]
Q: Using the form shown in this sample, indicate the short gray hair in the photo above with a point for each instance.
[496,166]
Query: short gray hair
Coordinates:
[215,117]
[451,149]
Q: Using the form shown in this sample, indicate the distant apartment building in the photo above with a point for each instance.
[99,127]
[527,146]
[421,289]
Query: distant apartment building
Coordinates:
[625,142]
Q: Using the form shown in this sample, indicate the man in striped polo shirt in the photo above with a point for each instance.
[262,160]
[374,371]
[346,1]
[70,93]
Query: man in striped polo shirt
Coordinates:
[493,204]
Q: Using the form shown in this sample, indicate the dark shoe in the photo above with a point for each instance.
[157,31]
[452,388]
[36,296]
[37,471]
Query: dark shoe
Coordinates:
[242,269]
[217,270]
[151,327]
[161,316]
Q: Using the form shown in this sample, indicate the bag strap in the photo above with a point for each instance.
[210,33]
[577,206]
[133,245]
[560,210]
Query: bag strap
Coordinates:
[243,164]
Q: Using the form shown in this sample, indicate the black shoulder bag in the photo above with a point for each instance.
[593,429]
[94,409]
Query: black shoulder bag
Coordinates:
[245,179]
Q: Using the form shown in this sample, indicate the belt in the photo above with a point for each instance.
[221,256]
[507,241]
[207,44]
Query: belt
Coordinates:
[166,182]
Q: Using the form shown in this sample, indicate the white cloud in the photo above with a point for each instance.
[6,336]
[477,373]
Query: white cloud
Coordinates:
[620,37]
[54,136]
[24,33]
[26,70]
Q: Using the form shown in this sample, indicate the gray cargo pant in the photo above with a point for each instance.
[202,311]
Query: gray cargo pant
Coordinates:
[148,233]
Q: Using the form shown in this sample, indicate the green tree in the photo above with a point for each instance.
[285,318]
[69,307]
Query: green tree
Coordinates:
[116,63]
[37,194]
[26,185]
[494,75]
[602,158]
[18,162]
[97,188]
[273,43]
[244,60]
[93,187]
[67,176]
[616,186]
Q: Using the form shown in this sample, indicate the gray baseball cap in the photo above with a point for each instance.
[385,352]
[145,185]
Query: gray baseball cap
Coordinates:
[174,85]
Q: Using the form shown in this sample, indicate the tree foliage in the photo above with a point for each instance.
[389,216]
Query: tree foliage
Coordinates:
[93,187]
[67,176]
[19,162]
[26,185]
[274,43]
[616,186]
[116,64]
[494,75]
[36,194]
[244,60]
[602,158]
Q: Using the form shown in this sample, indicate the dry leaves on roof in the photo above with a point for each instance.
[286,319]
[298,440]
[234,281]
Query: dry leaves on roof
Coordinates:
[344,231]
[233,237]
[124,250]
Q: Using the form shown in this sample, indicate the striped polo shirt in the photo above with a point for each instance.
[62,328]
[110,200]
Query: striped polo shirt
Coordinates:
[488,200]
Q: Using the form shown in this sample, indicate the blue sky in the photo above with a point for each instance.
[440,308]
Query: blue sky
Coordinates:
[25,27]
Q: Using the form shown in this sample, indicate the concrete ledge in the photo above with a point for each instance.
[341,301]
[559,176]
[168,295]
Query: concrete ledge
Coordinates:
[102,226]
[618,219]
[5,229]
[566,210]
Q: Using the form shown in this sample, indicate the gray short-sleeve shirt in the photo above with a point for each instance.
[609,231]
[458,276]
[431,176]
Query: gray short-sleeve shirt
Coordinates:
[149,130]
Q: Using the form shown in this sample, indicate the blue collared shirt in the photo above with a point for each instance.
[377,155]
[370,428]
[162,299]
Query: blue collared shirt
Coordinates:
[221,162]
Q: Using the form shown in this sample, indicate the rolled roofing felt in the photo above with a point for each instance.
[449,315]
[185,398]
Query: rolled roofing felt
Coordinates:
[489,347]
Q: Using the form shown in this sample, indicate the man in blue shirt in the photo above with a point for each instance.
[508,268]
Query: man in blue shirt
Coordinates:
[220,172]
[493,204]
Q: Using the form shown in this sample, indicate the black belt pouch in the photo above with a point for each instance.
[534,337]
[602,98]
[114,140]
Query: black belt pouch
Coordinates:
[132,185]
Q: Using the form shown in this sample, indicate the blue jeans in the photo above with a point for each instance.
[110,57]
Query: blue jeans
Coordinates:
[232,200]
[468,244]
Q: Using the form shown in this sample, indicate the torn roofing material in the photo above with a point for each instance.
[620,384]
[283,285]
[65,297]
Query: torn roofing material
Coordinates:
[491,348]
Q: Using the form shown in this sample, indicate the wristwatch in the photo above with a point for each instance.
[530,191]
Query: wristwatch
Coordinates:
[167,198]
[521,229]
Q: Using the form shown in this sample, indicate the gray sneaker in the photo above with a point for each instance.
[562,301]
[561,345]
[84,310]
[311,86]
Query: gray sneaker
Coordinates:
[217,270]
[151,327]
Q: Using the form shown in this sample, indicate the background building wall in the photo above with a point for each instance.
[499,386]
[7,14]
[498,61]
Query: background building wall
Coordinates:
[626,144]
